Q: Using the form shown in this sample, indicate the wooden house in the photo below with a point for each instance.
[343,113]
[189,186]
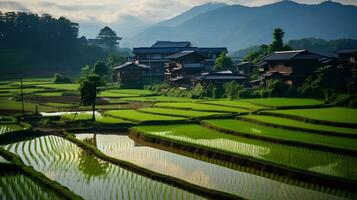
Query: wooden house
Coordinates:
[293,67]
[132,74]
[156,56]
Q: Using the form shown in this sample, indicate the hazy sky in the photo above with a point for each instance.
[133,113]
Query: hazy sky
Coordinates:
[130,15]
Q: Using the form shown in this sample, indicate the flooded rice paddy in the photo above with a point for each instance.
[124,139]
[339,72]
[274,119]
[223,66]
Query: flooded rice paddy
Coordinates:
[240,183]
[86,175]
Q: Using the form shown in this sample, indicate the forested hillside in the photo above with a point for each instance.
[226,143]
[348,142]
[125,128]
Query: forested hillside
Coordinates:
[32,44]
[315,45]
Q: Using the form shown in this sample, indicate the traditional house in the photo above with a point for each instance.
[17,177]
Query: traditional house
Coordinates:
[158,54]
[219,78]
[183,67]
[293,67]
[132,74]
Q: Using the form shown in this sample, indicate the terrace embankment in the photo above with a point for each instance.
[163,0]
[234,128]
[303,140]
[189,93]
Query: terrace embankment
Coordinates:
[336,117]
[289,124]
[274,168]
[329,144]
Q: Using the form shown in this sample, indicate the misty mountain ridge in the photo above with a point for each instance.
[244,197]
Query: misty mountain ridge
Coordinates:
[238,27]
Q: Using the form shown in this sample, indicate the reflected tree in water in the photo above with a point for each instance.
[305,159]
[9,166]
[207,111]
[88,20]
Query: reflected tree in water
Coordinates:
[89,164]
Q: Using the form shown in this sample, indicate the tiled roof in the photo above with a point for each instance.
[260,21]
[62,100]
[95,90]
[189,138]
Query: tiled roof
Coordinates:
[165,44]
[352,50]
[184,53]
[132,64]
[292,55]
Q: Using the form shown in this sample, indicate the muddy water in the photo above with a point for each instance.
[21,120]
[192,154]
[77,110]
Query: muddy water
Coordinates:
[240,183]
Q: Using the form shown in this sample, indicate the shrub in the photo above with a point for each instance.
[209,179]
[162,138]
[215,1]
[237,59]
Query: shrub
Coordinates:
[58,78]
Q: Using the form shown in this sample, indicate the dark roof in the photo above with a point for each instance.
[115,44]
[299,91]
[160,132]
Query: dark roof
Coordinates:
[183,54]
[171,50]
[165,44]
[351,50]
[221,75]
[292,55]
[132,64]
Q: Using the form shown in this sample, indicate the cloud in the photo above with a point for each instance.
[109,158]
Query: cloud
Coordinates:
[127,15]
[12,6]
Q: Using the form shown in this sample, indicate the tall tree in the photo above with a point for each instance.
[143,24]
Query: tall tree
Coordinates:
[277,43]
[100,69]
[89,90]
[108,37]
[223,62]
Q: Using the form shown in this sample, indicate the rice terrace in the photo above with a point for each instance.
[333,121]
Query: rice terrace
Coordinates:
[191,105]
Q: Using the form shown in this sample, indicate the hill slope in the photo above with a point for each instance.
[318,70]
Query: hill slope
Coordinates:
[239,27]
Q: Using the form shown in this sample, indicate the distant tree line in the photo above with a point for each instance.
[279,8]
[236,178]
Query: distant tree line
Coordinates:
[41,45]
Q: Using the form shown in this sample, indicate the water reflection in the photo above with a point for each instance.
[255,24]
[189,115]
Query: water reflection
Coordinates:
[250,185]
[90,165]
[61,161]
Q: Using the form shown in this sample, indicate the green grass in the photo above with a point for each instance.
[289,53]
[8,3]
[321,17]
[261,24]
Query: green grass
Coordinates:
[108,93]
[299,124]
[25,90]
[180,113]
[335,114]
[238,104]
[282,134]
[158,99]
[201,107]
[284,102]
[48,94]
[5,128]
[88,116]
[131,91]
[60,105]
[6,104]
[70,86]
[31,83]
[134,115]
[328,163]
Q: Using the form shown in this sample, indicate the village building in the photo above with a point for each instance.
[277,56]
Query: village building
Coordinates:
[132,74]
[293,67]
[183,67]
[219,78]
[158,54]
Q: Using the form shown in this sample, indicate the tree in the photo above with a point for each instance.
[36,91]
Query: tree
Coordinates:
[239,90]
[85,71]
[277,43]
[100,69]
[108,37]
[223,62]
[88,90]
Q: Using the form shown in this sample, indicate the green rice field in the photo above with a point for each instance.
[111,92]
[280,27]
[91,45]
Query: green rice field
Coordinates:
[180,113]
[154,99]
[332,164]
[299,124]
[334,114]
[6,104]
[88,116]
[4,128]
[284,135]
[201,107]
[238,104]
[134,115]
[237,182]
[69,86]
[284,102]
[9,188]
[89,176]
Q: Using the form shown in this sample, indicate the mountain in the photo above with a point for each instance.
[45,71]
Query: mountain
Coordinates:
[238,27]
[191,13]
